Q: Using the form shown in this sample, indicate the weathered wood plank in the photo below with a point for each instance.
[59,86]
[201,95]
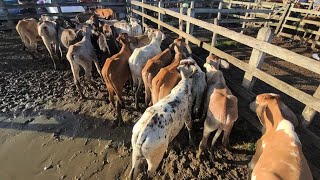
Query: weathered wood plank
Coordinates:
[257,57]
[309,113]
[210,10]
[301,29]
[160,16]
[295,37]
[229,21]
[282,18]
[303,21]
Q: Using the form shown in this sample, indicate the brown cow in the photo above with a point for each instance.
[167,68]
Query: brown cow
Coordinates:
[165,80]
[116,72]
[154,65]
[106,13]
[168,77]
[278,152]
[151,69]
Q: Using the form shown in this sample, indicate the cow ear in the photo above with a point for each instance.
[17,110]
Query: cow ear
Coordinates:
[163,37]
[253,106]
[260,109]
[172,45]
[224,64]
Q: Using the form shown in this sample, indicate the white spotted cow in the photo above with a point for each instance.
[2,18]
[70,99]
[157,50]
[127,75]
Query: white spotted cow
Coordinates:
[161,123]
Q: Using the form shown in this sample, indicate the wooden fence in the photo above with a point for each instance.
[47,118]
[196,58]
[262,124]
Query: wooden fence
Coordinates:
[119,7]
[299,23]
[260,45]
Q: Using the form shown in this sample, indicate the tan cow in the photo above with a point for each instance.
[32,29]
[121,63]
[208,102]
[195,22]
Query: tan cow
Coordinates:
[106,13]
[221,106]
[27,29]
[278,152]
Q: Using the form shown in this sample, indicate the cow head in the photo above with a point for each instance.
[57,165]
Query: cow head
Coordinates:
[157,34]
[216,62]
[87,30]
[187,68]
[179,46]
[46,17]
[107,30]
[262,106]
[147,29]
[102,42]
[133,21]
[123,38]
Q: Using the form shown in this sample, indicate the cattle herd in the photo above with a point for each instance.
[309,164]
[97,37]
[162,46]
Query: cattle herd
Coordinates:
[176,89]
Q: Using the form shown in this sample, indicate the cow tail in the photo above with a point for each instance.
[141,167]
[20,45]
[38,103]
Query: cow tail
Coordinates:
[57,32]
[44,31]
[142,137]
[113,87]
[223,113]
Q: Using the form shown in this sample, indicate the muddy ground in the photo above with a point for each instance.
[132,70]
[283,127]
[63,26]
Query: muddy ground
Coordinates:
[47,132]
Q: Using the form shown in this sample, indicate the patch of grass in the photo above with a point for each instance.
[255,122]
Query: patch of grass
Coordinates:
[227,44]
[248,146]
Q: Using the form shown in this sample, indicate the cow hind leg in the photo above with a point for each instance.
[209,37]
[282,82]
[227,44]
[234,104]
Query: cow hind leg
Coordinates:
[214,139]
[119,116]
[88,69]
[136,162]
[154,161]
[75,71]
[147,95]
[49,48]
[226,135]
[204,141]
[96,63]
[188,123]
[111,95]
[137,93]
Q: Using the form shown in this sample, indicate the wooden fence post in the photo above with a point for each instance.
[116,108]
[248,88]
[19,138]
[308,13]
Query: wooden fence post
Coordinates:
[219,13]
[313,46]
[214,35]
[180,20]
[245,17]
[189,26]
[6,14]
[309,113]
[142,10]
[160,16]
[269,15]
[282,18]
[257,57]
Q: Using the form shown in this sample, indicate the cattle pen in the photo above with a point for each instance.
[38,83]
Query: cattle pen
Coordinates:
[248,25]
